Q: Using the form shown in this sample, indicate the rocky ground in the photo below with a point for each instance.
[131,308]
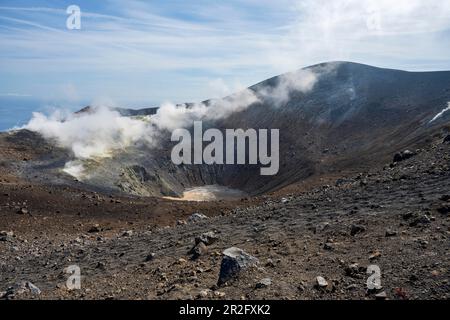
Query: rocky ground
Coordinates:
[316,243]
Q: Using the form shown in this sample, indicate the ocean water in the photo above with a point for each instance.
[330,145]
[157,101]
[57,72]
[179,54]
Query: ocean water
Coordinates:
[17,111]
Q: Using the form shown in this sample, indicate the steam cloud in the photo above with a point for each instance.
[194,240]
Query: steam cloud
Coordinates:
[88,134]
[102,131]
[303,81]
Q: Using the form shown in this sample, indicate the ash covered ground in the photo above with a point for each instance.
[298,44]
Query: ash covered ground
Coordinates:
[393,216]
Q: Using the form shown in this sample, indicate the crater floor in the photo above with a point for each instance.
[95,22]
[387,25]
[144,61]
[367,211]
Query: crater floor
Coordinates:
[212,192]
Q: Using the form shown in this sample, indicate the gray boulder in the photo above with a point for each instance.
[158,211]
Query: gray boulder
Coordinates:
[233,262]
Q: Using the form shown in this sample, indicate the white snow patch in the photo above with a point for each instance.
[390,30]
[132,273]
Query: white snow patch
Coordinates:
[440,114]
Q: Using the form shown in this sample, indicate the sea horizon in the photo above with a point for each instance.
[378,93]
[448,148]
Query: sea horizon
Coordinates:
[17,111]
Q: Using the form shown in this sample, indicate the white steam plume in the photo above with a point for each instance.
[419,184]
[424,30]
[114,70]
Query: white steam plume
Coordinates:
[170,116]
[302,80]
[89,134]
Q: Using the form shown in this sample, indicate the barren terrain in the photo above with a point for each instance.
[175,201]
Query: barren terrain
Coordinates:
[393,216]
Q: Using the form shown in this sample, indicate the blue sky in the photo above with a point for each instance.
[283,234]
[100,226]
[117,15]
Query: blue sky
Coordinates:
[147,52]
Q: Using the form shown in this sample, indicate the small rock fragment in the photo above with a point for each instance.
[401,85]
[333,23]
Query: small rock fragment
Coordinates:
[404,155]
[390,233]
[198,250]
[381,295]
[150,257]
[408,215]
[127,233]
[352,270]
[196,217]
[351,287]
[321,282]
[355,229]
[22,211]
[208,238]
[445,209]
[401,293]
[375,255]
[95,228]
[320,227]
[19,289]
[33,289]
[421,220]
[446,139]
[269,263]
[6,235]
[203,293]
[264,283]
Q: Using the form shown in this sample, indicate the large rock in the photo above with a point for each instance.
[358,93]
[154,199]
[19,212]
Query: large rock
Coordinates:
[233,262]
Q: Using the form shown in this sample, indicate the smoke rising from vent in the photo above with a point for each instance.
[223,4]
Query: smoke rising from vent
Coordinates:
[89,134]
[170,116]
[302,80]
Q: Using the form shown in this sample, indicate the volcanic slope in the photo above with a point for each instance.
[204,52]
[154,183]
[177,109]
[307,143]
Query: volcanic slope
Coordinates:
[353,117]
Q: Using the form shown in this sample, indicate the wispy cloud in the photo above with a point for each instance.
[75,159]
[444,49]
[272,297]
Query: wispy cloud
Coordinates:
[14,94]
[175,50]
